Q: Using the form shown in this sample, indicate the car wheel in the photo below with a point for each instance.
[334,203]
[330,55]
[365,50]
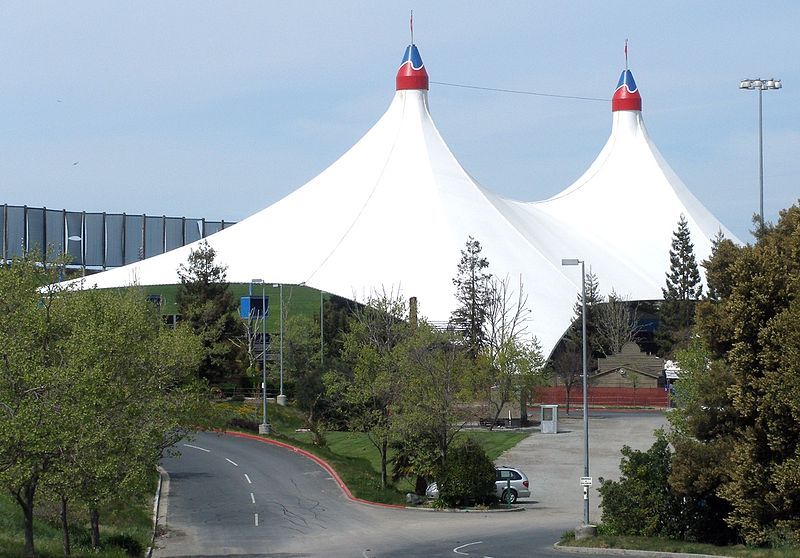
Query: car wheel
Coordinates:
[509,497]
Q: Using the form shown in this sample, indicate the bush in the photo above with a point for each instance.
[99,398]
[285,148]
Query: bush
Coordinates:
[641,502]
[131,546]
[468,477]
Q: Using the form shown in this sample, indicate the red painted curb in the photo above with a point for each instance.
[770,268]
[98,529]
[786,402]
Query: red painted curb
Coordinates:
[316,459]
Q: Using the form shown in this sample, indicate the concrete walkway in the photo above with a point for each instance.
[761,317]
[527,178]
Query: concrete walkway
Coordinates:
[554,462]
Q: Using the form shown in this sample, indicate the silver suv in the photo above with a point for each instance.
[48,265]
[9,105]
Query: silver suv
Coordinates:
[520,487]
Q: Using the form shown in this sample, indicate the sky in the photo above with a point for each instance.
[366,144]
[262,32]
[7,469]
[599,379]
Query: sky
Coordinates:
[219,109]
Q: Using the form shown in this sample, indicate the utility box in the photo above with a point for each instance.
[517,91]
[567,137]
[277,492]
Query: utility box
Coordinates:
[549,420]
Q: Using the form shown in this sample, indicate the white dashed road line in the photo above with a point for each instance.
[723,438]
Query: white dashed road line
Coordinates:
[248,479]
[197,448]
[252,498]
[232,462]
[256,520]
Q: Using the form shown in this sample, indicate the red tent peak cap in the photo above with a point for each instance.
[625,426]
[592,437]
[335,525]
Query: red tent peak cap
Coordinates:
[412,73]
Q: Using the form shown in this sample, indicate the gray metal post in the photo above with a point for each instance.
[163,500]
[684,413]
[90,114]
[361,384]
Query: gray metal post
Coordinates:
[321,333]
[585,400]
[281,393]
[760,157]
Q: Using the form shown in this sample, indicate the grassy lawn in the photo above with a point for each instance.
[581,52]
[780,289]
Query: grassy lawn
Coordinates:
[119,529]
[352,454]
[669,545]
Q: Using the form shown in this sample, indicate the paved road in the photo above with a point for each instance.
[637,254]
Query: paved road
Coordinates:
[220,483]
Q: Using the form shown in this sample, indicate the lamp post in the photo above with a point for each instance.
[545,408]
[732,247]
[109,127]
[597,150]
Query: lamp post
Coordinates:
[263,428]
[760,85]
[281,399]
[584,483]
[321,332]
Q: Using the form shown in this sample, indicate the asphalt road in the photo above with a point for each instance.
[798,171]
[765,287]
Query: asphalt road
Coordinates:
[238,497]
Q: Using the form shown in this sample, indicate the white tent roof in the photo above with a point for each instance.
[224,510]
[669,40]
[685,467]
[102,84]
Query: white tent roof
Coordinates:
[395,211]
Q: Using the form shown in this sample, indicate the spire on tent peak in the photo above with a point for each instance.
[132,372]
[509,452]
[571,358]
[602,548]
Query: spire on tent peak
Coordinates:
[626,97]
[412,74]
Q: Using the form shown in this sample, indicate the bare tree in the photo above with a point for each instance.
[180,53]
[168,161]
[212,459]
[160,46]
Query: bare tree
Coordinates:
[567,365]
[514,357]
[617,322]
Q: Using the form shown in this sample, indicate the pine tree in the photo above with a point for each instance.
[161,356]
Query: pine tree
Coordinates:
[472,293]
[683,289]
[206,302]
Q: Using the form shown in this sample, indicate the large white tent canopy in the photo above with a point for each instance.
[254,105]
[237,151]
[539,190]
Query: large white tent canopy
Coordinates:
[395,211]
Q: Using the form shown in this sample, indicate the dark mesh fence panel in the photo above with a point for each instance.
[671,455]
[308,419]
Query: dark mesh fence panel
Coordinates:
[133,238]
[193,230]
[75,237]
[55,231]
[16,231]
[212,227]
[36,240]
[174,226]
[154,236]
[114,240]
[95,239]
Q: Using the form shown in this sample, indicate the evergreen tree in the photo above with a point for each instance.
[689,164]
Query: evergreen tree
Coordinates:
[206,303]
[682,290]
[472,293]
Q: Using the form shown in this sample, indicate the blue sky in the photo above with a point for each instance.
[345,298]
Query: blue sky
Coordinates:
[218,109]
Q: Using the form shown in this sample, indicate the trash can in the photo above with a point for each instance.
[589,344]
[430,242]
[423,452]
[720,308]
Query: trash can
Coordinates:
[549,420]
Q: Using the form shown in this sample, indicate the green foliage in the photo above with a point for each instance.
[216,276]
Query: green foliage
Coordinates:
[205,302]
[468,477]
[683,288]
[752,331]
[94,388]
[641,502]
[472,293]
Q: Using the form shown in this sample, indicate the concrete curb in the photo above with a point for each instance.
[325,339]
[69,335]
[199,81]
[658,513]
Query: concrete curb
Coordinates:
[627,552]
[457,510]
[319,461]
[162,473]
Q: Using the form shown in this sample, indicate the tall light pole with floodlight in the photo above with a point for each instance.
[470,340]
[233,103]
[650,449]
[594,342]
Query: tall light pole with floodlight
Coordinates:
[263,428]
[585,482]
[760,85]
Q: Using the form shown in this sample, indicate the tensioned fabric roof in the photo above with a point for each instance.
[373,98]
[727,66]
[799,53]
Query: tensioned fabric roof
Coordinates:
[395,211]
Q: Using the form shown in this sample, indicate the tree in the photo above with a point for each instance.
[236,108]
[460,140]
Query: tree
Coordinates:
[206,303]
[742,414]
[472,294]
[616,321]
[513,357]
[753,329]
[93,388]
[468,477]
[438,377]
[372,392]
[683,288]
[302,364]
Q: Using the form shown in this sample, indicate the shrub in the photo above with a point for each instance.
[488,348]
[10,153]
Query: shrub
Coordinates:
[468,477]
[641,502]
[131,546]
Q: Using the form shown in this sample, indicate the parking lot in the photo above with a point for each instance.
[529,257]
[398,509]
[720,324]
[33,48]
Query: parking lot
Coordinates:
[554,462]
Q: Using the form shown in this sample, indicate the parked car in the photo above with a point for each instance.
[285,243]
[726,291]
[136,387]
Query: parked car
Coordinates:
[520,487]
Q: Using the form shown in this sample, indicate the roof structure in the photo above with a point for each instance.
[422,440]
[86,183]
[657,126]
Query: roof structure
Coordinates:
[395,211]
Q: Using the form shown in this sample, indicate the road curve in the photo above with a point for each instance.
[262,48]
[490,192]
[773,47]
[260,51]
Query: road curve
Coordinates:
[231,496]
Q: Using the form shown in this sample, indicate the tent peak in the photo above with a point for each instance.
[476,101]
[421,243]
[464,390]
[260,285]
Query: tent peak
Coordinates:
[626,96]
[412,73]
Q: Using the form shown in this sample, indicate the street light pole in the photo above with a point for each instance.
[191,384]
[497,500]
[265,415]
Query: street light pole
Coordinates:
[281,399]
[585,388]
[761,85]
[263,428]
[321,332]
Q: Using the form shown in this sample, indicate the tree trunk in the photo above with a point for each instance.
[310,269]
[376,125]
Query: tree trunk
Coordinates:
[384,453]
[25,497]
[523,408]
[94,517]
[65,526]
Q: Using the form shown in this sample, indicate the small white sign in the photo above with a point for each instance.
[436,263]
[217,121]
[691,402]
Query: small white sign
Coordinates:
[586,481]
